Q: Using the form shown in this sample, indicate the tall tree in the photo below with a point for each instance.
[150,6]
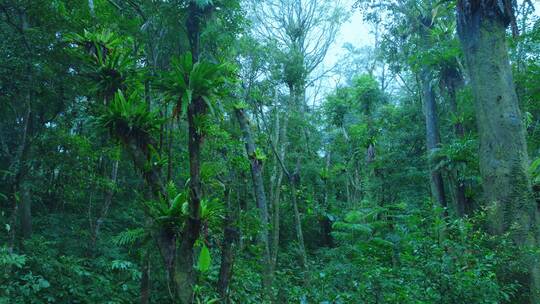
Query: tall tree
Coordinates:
[433,139]
[503,153]
[255,160]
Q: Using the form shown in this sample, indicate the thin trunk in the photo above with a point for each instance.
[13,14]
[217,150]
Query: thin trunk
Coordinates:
[281,131]
[20,174]
[325,222]
[23,183]
[503,148]
[276,218]
[26,211]
[185,271]
[170,139]
[106,206]
[260,196]
[230,237]
[298,105]
[295,183]
[326,179]
[145,279]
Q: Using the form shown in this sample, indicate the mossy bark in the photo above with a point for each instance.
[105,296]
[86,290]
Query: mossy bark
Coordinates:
[260,198]
[503,152]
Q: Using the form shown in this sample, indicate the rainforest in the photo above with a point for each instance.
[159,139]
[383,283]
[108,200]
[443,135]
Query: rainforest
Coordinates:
[270,151]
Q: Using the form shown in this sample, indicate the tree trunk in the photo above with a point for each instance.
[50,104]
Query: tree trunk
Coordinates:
[503,151]
[185,272]
[260,196]
[325,221]
[26,211]
[145,279]
[107,204]
[432,136]
[298,105]
[280,139]
[20,185]
[298,221]
[230,236]
[166,237]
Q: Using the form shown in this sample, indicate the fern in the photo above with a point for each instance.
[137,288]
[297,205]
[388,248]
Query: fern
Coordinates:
[130,237]
[129,118]
[188,81]
[107,60]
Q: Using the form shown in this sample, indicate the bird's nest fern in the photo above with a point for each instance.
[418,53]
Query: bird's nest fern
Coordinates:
[130,119]
[107,60]
[173,211]
[188,81]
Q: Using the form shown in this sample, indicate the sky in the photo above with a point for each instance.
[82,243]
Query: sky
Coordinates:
[358,33]
[355,31]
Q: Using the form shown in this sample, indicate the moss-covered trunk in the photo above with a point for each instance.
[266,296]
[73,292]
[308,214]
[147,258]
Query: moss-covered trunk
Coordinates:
[260,198]
[503,151]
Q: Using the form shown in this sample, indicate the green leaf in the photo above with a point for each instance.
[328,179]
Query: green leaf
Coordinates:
[42,283]
[240,105]
[185,102]
[189,95]
[259,154]
[209,104]
[204,259]
[382,242]
[129,236]
[534,166]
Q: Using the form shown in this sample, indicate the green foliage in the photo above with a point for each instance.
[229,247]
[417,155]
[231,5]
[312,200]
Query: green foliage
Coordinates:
[403,254]
[188,81]
[357,154]
[534,170]
[170,212]
[130,237]
[46,276]
[212,211]
[204,260]
[107,60]
[129,119]
[8,260]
